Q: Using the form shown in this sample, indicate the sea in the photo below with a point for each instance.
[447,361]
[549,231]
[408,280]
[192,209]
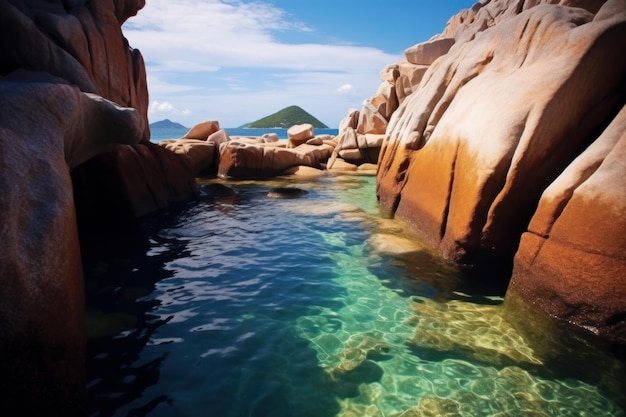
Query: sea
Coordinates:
[241,305]
[159,134]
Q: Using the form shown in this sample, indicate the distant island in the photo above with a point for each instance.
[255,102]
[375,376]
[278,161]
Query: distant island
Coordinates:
[285,118]
[166,124]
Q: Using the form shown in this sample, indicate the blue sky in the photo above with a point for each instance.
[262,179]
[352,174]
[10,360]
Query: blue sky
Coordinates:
[237,61]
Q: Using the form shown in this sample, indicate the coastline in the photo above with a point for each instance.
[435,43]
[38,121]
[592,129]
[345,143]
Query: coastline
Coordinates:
[159,134]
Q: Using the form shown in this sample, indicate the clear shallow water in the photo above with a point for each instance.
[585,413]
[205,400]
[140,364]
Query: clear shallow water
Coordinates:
[250,306]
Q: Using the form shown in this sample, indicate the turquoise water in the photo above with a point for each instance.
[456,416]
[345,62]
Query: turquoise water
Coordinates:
[245,305]
[159,134]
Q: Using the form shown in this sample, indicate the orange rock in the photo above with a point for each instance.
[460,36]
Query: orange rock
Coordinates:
[246,160]
[469,154]
[48,127]
[571,259]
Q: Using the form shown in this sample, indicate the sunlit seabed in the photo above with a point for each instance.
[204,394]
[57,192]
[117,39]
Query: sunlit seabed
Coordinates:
[249,306]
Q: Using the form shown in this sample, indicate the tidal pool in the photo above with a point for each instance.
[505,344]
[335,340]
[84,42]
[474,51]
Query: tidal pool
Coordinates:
[242,305]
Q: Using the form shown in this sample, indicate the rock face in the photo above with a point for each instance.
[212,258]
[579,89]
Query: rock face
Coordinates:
[244,160]
[73,149]
[516,133]
[82,43]
[41,300]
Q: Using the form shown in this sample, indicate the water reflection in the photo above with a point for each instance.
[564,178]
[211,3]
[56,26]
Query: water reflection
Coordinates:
[195,318]
[119,271]
[242,305]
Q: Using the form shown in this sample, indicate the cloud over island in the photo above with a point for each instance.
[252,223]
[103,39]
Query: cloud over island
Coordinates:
[236,61]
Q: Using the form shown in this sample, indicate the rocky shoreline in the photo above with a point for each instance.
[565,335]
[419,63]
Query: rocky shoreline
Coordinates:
[501,141]
[212,152]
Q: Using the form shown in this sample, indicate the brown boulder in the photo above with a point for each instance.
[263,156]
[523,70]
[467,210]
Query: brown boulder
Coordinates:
[219,137]
[358,149]
[46,129]
[141,179]
[467,157]
[203,130]
[581,218]
[409,80]
[246,160]
[201,154]
[385,101]
[350,121]
[370,120]
[390,73]
[299,134]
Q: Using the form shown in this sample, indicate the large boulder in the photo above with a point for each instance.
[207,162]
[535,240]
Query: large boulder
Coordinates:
[357,148]
[299,134]
[571,259]
[203,130]
[494,122]
[77,119]
[371,120]
[47,128]
[244,160]
[82,43]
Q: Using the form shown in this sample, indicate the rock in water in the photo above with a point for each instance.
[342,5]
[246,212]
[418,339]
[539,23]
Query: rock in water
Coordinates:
[286,192]
[516,132]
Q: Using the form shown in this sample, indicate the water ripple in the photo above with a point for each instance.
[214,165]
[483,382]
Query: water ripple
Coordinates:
[312,307]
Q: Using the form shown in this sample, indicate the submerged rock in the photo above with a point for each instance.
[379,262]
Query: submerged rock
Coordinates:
[216,190]
[286,192]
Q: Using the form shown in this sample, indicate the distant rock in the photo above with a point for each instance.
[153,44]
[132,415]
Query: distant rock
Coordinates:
[166,124]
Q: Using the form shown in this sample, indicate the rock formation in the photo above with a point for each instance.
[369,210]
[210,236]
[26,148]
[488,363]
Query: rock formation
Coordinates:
[510,126]
[41,300]
[357,142]
[242,159]
[503,145]
[74,149]
[210,151]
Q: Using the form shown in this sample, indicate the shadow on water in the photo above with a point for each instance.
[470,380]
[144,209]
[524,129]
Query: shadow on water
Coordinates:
[119,271]
[125,373]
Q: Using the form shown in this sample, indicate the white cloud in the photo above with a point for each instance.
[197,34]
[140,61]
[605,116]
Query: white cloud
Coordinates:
[345,88]
[185,35]
[166,108]
[222,58]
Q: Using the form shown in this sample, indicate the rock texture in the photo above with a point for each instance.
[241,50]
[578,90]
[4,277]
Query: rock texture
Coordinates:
[515,133]
[244,160]
[210,151]
[82,43]
[73,149]
[41,296]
